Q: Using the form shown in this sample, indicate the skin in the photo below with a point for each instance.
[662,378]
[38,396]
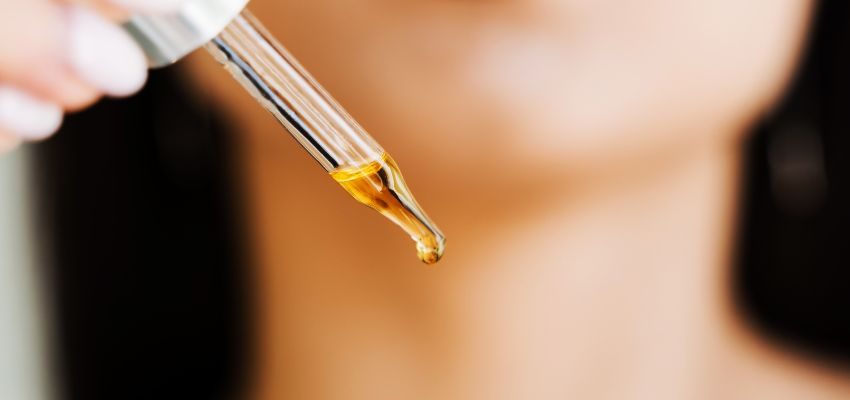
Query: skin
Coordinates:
[35,47]
[582,158]
[38,21]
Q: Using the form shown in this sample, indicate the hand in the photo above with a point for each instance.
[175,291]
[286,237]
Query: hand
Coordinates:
[58,56]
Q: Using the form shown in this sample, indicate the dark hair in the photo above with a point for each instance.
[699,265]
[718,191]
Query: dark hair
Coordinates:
[137,310]
[793,275]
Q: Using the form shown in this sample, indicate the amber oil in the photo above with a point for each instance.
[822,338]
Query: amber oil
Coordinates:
[379,185]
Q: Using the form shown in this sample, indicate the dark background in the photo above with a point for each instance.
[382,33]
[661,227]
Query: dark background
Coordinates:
[147,269]
[150,279]
[793,276]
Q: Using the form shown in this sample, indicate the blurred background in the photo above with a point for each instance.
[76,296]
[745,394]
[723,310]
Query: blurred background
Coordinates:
[179,244]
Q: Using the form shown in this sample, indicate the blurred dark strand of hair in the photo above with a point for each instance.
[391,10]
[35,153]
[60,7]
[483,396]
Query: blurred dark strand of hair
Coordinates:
[147,270]
[793,275]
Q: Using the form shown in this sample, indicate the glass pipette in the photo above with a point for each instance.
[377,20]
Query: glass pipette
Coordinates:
[323,128]
[340,145]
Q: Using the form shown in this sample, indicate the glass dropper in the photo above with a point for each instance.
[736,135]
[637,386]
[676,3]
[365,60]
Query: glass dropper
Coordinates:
[284,88]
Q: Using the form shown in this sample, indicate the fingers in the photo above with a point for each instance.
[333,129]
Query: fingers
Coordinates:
[63,57]
[103,55]
[49,49]
[24,117]
[41,39]
[27,117]
[95,57]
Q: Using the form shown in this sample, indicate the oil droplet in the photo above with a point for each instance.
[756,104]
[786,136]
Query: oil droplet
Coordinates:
[379,185]
[431,252]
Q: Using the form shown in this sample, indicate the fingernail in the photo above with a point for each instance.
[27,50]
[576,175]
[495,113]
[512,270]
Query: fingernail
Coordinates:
[103,55]
[26,116]
[150,6]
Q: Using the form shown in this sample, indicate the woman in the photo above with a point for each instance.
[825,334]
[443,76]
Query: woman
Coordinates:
[583,158]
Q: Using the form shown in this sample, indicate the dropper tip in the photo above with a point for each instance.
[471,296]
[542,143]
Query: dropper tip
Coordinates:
[431,253]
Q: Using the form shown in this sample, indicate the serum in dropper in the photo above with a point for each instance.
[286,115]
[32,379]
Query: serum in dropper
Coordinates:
[281,85]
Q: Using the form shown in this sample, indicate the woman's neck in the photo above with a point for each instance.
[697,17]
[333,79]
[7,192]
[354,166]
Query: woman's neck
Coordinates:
[623,279]
[615,289]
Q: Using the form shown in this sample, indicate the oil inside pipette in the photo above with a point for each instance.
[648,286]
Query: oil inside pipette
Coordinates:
[323,128]
[379,185]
